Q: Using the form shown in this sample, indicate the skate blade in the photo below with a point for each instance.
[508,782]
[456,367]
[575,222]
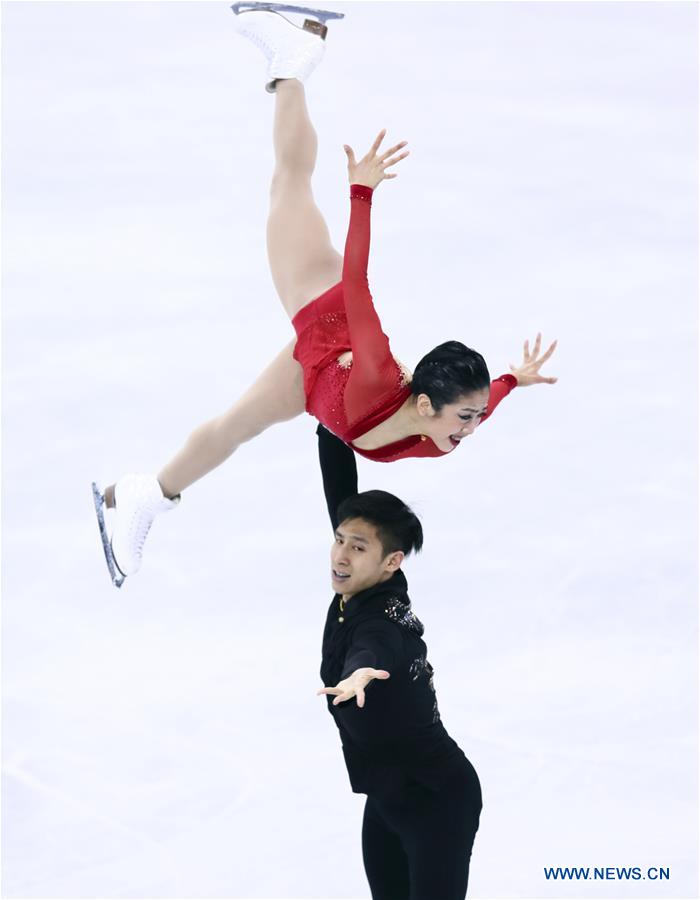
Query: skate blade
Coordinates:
[116,575]
[321,15]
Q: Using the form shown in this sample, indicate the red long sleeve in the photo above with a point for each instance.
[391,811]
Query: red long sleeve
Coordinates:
[373,368]
[372,388]
[500,388]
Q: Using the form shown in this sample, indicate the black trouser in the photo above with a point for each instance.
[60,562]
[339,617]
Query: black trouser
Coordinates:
[417,843]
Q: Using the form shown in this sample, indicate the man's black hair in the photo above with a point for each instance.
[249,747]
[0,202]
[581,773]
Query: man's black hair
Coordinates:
[398,527]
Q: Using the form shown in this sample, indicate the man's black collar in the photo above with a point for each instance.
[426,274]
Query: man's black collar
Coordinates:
[376,595]
[389,598]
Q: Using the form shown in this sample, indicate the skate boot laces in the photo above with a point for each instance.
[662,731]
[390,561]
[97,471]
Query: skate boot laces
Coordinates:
[139,526]
[138,499]
[269,30]
[258,39]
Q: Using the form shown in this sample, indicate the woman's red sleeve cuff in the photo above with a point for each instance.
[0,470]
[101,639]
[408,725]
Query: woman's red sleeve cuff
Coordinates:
[510,380]
[361,192]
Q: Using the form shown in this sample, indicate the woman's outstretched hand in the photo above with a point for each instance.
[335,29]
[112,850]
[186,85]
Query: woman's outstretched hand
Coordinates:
[370,170]
[528,372]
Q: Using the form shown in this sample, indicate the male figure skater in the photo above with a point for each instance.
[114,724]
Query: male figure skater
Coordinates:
[423,794]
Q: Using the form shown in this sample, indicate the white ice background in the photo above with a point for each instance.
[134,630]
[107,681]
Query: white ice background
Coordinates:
[166,740]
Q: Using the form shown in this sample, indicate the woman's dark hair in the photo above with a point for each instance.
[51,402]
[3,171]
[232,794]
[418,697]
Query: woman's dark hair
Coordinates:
[449,372]
[398,527]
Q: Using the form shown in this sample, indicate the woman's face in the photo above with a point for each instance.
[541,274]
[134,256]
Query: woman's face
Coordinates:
[455,421]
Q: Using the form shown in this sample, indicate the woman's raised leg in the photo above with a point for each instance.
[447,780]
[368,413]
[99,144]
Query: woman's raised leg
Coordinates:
[303,262]
[303,265]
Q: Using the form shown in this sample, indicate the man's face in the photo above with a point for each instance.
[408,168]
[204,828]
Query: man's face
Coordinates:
[358,560]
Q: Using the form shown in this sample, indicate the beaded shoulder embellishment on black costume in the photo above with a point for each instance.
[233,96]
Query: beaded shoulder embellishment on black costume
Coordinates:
[400,612]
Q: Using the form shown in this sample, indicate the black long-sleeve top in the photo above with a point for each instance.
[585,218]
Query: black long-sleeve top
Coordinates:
[398,734]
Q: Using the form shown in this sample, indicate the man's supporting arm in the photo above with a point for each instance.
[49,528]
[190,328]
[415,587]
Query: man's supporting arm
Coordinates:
[338,469]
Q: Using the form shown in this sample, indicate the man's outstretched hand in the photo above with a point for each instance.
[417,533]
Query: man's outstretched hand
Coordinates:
[354,685]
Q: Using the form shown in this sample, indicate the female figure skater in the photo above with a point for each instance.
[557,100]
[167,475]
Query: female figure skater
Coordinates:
[339,368]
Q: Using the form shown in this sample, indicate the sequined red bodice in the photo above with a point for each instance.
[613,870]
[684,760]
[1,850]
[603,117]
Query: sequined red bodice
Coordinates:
[352,400]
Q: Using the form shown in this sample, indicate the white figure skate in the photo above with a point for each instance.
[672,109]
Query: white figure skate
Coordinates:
[291,50]
[138,499]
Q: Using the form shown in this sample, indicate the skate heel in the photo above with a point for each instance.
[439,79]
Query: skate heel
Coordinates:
[315,28]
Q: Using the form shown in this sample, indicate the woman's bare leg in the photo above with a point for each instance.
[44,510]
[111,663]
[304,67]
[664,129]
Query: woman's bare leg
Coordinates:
[303,264]
[276,396]
[302,259]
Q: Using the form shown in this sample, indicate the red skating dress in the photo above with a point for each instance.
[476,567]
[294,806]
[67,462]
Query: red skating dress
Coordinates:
[350,401]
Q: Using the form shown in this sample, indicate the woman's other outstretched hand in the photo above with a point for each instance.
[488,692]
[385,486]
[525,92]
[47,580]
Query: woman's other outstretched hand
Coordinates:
[354,685]
[370,170]
[528,372]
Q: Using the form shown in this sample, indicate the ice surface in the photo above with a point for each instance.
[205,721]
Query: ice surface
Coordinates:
[166,740]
